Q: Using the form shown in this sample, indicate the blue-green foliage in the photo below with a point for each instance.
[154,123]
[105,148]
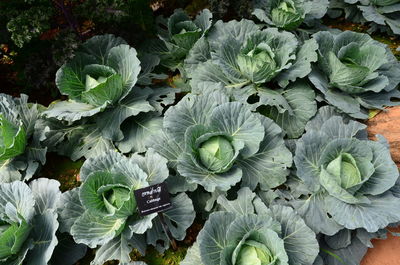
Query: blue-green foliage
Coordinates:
[21,152]
[103,210]
[28,223]
[355,73]
[346,175]
[257,137]
[379,15]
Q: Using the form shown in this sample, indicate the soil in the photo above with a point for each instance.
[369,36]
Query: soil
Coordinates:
[386,123]
[385,252]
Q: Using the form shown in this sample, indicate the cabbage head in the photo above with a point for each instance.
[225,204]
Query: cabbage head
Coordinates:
[239,54]
[177,35]
[28,222]
[349,177]
[245,231]
[12,138]
[216,143]
[103,210]
[355,73]
[20,148]
[289,14]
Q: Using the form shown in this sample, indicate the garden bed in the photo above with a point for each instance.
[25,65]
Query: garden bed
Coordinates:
[251,132]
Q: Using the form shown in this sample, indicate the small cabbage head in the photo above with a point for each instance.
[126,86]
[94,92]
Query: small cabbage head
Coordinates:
[347,175]
[216,143]
[285,14]
[114,199]
[258,57]
[12,138]
[216,153]
[178,34]
[345,170]
[254,253]
[289,14]
[267,238]
[180,27]
[355,72]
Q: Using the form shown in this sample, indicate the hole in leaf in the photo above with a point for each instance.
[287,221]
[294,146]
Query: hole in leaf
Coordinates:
[253,99]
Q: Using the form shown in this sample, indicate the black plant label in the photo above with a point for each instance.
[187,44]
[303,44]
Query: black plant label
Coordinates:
[153,199]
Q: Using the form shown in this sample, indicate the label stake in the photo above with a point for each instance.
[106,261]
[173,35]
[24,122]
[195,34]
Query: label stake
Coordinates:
[168,232]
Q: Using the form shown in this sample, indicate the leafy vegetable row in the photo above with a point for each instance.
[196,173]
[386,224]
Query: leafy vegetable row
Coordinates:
[258,138]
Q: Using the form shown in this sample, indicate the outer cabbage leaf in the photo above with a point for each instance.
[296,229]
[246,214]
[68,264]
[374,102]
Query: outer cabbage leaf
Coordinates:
[347,247]
[140,132]
[67,252]
[376,14]
[178,219]
[291,108]
[193,256]
[76,141]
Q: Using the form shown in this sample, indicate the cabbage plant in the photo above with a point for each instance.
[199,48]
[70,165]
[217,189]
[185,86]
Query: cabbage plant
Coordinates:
[28,222]
[245,231]
[346,246]
[20,150]
[384,15]
[379,15]
[103,210]
[239,53]
[355,73]
[289,14]
[216,143]
[100,83]
[346,175]
[246,61]
[177,35]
